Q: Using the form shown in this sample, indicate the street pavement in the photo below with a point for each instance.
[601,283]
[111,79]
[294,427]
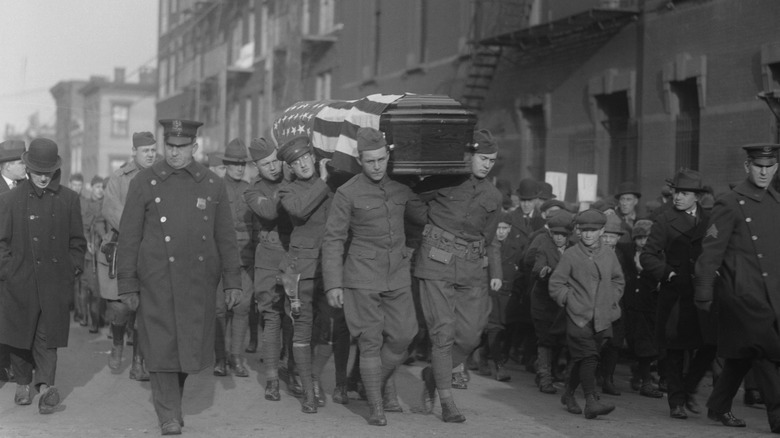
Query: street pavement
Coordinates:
[98,403]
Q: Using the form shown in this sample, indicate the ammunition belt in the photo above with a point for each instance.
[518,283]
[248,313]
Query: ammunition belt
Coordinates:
[446,241]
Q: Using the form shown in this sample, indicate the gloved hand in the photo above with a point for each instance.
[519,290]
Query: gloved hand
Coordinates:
[233,297]
[131,300]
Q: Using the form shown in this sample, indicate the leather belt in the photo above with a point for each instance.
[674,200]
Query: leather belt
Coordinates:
[446,241]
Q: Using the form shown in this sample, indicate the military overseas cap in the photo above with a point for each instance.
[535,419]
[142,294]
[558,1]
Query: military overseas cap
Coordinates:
[369,139]
[591,219]
[145,138]
[641,228]
[11,150]
[763,154]
[561,223]
[484,143]
[686,180]
[260,148]
[294,149]
[42,156]
[180,132]
[528,189]
[628,187]
[235,152]
[614,225]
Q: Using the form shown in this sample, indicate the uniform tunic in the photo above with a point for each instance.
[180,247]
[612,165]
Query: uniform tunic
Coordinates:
[364,251]
[742,244]
[42,246]
[176,241]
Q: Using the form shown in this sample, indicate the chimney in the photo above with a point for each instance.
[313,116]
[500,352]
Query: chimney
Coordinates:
[119,75]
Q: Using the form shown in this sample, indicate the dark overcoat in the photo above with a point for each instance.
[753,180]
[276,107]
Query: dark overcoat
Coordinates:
[176,240]
[42,246]
[674,245]
[742,245]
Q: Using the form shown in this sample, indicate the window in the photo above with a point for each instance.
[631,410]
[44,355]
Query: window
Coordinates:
[322,90]
[265,31]
[75,160]
[327,8]
[120,119]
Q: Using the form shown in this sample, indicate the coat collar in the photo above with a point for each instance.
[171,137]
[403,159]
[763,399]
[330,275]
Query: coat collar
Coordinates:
[54,185]
[750,190]
[163,170]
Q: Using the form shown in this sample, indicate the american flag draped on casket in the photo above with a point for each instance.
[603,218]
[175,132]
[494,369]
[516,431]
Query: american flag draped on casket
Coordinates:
[332,126]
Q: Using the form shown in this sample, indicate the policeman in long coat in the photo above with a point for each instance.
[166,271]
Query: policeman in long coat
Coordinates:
[42,249]
[738,270]
[176,241]
[669,256]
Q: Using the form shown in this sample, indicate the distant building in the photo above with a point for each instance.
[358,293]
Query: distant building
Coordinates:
[113,110]
[625,89]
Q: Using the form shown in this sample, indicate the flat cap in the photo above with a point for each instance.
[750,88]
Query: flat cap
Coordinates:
[179,132]
[11,150]
[762,153]
[294,149]
[145,138]
[260,148]
[546,205]
[562,222]
[591,219]
[614,225]
[369,139]
[484,142]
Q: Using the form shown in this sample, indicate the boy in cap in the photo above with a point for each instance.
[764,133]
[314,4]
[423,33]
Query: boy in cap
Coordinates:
[546,313]
[669,256]
[42,249]
[458,259]
[741,249]
[177,241]
[89,292]
[590,310]
[366,219]
[272,228]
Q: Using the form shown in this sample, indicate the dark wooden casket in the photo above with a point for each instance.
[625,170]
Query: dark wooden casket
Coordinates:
[429,134]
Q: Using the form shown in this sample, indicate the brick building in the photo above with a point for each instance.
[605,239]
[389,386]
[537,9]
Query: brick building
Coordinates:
[625,89]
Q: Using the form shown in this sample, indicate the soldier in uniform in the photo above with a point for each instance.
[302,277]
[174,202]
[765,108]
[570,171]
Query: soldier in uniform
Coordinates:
[738,270]
[176,240]
[144,155]
[272,227]
[232,326]
[669,256]
[306,199]
[89,292]
[41,252]
[12,170]
[458,259]
[370,276]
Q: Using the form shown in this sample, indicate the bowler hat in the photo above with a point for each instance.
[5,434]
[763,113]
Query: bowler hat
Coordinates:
[686,180]
[591,219]
[42,156]
[764,154]
[628,187]
[528,189]
[260,148]
[484,142]
[294,149]
[11,150]
[143,139]
[369,139]
[562,222]
[614,225]
[235,152]
[179,132]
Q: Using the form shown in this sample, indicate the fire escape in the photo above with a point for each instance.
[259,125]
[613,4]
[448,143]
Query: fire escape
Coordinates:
[501,27]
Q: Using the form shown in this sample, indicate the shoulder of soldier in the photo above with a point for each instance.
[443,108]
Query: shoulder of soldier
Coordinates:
[128,167]
[351,185]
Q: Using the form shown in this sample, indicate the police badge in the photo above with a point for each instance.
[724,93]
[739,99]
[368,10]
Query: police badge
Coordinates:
[201,204]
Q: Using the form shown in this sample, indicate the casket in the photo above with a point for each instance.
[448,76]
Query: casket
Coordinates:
[429,134]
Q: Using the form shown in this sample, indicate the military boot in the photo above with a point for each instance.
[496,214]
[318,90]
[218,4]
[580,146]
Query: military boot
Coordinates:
[595,407]
[118,340]
[376,414]
[501,374]
[319,393]
[483,368]
[450,412]
[568,400]
[236,363]
[390,397]
[138,371]
[272,390]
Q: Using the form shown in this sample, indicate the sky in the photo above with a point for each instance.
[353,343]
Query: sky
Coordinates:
[43,42]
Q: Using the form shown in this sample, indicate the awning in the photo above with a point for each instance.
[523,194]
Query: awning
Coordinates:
[585,28]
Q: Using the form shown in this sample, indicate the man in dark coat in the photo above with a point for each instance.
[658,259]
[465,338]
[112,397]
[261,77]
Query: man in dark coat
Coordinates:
[738,270]
[41,252]
[12,170]
[176,240]
[669,257]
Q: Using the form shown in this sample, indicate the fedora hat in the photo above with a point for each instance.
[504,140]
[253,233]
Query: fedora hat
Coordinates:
[235,152]
[42,156]
[686,180]
[11,150]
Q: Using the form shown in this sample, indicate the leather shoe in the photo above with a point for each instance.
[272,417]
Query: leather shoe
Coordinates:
[220,368]
[272,390]
[429,390]
[753,397]
[678,412]
[236,363]
[727,418]
[692,405]
[22,396]
[450,412]
[376,415]
[49,400]
[647,390]
[340,395]
[319,394]
[171,427]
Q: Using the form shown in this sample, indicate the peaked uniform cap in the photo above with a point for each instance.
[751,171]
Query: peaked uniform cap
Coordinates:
[179,132]
[764,154]
[294,149]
